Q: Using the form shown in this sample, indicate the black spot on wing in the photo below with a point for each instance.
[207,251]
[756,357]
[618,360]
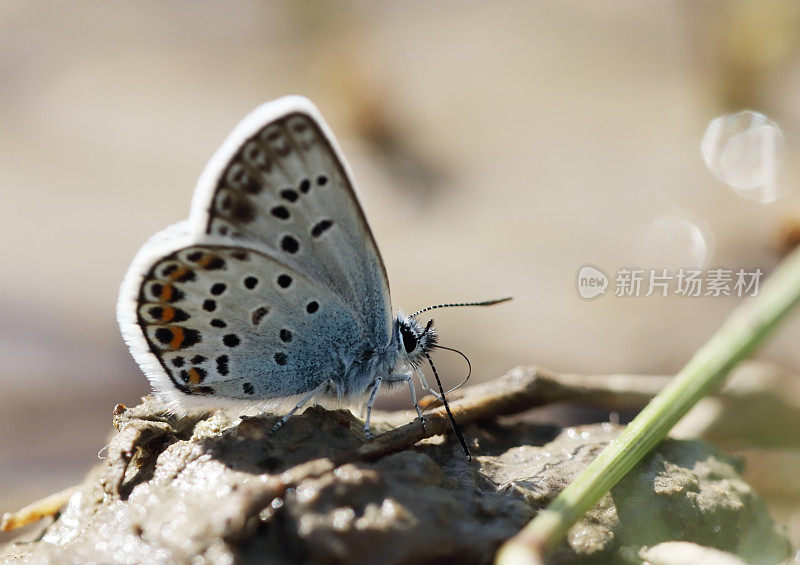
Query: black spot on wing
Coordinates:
[321,227]
[289,244]
[289,194]
[231,340]
[163,335]
[222,365]
[280,212]
[258,315]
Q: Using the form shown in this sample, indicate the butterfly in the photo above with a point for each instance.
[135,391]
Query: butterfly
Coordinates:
[273,292]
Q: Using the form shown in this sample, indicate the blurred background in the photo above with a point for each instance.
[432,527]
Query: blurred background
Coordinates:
[513,142]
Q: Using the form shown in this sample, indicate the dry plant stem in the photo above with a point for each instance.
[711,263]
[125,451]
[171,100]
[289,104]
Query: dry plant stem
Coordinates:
[520,390]
[34,511]
[740,335]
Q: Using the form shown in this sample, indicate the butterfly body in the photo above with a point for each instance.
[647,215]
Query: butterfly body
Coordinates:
[273,291]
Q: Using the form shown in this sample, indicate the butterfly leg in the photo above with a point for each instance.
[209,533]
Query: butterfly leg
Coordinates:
[407,378]
[321,388]
[375,386]
[425,385]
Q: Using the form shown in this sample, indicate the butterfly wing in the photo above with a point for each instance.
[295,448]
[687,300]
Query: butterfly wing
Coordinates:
[278,193]
[281,184]
[222,322]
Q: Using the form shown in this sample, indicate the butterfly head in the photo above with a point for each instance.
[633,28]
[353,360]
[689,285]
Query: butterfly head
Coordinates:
[413,340]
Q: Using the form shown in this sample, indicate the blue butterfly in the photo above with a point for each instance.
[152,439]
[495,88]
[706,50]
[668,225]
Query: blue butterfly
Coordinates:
[273,292]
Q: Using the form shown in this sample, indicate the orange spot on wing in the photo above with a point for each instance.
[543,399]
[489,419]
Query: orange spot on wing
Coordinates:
[205,260]
[167,314]
[166,292]
[177,337]
[194,376]
[177,273]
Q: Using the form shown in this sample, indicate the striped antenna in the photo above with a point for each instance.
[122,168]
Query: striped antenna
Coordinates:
[456,304]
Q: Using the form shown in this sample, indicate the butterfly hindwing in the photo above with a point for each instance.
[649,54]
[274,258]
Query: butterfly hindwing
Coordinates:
[236,324]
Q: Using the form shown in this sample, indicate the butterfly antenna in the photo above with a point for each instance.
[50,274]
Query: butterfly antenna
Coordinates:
[447,408]
[457,304]
[469,366]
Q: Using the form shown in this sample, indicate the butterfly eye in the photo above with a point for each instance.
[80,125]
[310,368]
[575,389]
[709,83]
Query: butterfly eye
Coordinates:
[409,339]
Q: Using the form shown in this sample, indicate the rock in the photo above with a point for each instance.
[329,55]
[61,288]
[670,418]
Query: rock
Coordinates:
[218,489]
[685,553]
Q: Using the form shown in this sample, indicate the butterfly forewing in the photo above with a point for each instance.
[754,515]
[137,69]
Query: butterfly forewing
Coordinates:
[286,189]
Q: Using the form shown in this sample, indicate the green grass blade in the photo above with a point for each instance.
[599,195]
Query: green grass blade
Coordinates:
[745,329]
